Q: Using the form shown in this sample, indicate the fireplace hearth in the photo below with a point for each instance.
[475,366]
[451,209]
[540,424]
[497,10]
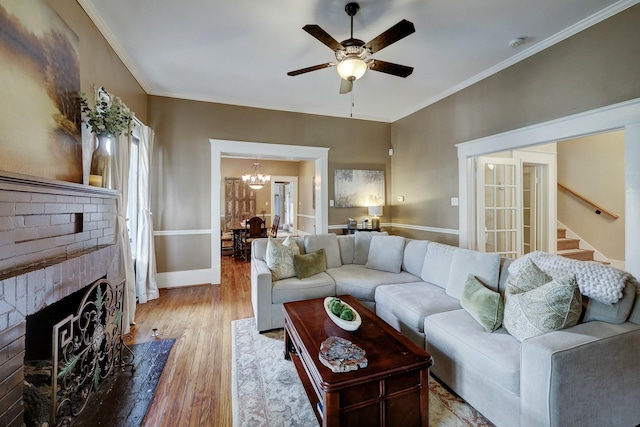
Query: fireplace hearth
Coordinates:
[56,238]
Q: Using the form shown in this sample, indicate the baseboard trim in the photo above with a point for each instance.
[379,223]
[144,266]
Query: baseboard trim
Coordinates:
[179,279]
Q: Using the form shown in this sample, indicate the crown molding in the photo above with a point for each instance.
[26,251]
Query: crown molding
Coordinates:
[536,48]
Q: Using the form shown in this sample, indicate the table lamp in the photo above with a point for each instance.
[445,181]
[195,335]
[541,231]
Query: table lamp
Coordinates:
[375,211]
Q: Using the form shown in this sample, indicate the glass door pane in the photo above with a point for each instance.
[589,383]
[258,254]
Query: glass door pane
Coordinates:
[499,206]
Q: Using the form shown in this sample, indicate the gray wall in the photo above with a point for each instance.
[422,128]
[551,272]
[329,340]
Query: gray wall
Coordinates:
[597,67]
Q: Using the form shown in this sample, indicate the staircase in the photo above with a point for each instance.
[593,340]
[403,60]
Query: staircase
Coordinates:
[570,248]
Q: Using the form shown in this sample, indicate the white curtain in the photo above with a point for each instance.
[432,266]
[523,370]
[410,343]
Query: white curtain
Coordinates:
[146,286]
[124,261]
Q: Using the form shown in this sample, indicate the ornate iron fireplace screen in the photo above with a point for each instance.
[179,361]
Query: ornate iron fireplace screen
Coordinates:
[87,347]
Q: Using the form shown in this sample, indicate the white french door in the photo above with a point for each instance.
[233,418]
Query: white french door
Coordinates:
[499,206]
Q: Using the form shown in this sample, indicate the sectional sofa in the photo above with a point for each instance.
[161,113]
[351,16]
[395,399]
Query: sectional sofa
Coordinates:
[582,375]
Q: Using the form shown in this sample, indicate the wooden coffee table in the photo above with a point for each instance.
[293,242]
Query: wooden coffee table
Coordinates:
[393,390]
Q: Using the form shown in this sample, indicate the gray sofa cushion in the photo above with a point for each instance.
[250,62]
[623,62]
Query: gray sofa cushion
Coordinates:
[614,313]
[504,273]
[347,246]
[437,264]
[413,256]
[362,243]
[412,302]
[361,282]
[385,253]
[461,338]
[328,242]
[484,266]
[293,289]
[634,316]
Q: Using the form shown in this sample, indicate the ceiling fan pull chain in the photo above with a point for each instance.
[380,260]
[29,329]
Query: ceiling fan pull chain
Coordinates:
[353,101]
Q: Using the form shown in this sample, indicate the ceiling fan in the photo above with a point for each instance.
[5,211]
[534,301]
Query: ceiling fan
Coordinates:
[352,54]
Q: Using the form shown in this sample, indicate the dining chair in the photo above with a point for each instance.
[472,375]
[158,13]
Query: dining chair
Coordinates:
[274,227]
[255,228]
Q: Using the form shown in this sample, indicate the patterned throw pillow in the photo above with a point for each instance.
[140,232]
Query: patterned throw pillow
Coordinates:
[534,305]
[279,257]
[530,277]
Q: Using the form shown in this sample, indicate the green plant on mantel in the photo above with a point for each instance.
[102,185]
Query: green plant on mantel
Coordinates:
[109,116]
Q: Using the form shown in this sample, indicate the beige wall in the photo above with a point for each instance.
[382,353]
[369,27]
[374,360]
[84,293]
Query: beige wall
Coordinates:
[597,67]
[181,194]
[235,168]
[99,66]
[594,167]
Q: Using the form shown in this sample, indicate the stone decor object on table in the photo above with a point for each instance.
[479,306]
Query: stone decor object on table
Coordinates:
[341,355]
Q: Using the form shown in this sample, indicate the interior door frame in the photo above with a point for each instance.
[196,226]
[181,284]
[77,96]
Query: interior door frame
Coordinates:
[625,116]
[286,179]
[549,163]
[220,147]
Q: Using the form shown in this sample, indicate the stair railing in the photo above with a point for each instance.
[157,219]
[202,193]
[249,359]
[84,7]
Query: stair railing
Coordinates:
[599,209]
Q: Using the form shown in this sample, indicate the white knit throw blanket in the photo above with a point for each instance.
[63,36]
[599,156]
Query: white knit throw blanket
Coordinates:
[597,281]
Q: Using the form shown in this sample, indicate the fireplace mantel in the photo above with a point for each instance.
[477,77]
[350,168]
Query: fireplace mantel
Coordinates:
[55,238]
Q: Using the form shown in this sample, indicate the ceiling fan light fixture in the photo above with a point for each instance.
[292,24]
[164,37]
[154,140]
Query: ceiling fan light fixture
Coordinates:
[351,68]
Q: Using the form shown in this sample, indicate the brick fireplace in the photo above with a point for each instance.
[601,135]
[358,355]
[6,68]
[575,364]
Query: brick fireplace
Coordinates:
[55,238]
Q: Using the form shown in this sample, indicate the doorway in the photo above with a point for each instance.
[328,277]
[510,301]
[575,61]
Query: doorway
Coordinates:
[515,199]
[220,148]
[625,115]
[284,202]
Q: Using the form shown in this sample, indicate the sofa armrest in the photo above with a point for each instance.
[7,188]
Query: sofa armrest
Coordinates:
[261,294]
[586,375]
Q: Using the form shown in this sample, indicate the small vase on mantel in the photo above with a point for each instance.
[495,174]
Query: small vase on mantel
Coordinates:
[101,173]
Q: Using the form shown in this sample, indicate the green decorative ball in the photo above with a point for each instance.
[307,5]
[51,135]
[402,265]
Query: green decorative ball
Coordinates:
[347,314]
[335,305]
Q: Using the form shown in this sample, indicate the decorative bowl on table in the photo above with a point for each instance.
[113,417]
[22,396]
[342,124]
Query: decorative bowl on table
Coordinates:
[347,325]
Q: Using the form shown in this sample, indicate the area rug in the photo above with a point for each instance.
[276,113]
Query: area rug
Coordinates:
[268,392]
[124,398]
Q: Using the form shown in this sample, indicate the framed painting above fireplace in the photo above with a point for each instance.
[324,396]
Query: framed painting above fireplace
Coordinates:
[40,80]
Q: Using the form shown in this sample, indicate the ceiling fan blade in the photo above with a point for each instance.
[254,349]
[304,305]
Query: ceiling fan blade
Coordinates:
[399,31]
[346,86]
[313,68]
[391,68]
[322,36]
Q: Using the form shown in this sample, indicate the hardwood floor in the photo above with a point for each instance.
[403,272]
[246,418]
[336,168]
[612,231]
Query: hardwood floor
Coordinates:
[195,387]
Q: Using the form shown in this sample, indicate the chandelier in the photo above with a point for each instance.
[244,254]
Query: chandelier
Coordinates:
[256,180]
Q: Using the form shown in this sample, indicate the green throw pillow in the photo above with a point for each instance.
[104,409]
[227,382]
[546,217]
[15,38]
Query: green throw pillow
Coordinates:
[553,306]
[482,304]
[309,264]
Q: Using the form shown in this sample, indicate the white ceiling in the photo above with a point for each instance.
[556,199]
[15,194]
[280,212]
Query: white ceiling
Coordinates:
[239,52]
